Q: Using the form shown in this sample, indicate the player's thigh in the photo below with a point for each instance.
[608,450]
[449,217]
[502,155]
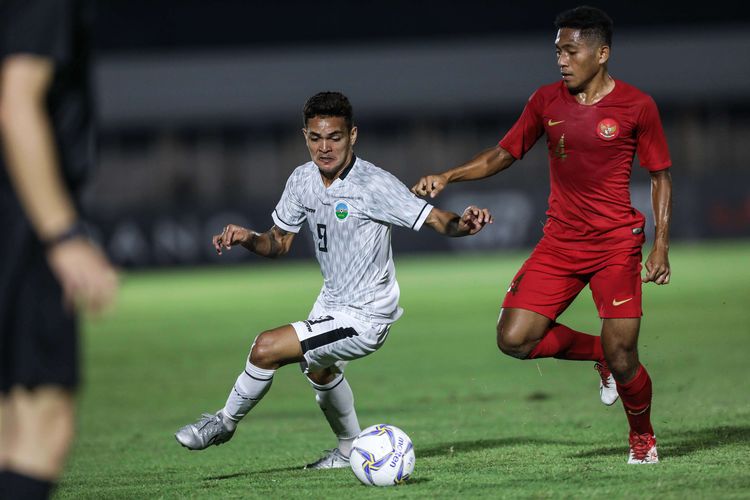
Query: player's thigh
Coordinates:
[616,285]
[546,284]
[620,335]
[330,340]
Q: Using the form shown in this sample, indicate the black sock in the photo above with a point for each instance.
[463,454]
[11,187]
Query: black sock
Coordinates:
[14,486]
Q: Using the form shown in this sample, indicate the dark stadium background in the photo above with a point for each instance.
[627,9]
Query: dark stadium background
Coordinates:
[200,104]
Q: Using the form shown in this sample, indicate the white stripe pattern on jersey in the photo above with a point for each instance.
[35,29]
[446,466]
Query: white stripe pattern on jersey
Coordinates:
[350,223]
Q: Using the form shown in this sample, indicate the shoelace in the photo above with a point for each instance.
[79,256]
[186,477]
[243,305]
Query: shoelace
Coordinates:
[210,418]
[640,446]
[604,373]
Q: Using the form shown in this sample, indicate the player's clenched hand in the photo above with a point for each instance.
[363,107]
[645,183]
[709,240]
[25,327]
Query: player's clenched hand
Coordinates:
[430,185]
[474,219]
[231,235]
[657,267]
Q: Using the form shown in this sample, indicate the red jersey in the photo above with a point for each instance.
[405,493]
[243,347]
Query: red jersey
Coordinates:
[591,150]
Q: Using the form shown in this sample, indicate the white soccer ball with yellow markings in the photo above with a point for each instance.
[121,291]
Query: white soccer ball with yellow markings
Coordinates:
[382,455]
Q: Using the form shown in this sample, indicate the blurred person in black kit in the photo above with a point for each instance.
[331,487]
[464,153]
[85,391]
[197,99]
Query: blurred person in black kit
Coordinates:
[48,267]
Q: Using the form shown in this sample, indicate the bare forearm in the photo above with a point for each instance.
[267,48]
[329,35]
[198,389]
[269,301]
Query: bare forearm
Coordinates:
[32,166]
[485,164]
[263,244]
[661,200]
[454,225]
[448,223]
[273,243]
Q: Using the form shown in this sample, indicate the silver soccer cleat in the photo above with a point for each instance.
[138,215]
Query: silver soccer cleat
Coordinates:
[333,459]
[209,430]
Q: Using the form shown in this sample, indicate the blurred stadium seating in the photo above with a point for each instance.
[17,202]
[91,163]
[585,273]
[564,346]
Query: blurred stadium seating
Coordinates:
[200,110]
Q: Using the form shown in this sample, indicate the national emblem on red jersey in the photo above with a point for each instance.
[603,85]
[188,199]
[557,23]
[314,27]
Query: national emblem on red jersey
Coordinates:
[608,129]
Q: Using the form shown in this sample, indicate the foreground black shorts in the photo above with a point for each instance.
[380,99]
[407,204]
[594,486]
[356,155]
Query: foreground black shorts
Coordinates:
[38,338]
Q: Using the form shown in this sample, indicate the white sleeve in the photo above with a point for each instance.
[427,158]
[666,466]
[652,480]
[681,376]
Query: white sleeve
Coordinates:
[391,201]
[289,213]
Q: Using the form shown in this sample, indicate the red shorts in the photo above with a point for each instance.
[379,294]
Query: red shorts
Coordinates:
[552,277]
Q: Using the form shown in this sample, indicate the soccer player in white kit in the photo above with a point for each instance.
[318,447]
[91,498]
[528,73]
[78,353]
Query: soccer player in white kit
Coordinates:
[349,206]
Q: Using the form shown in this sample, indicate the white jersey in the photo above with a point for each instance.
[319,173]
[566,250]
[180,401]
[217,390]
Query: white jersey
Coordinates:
[350,223]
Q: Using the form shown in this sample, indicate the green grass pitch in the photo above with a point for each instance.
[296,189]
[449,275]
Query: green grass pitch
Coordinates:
[483,424]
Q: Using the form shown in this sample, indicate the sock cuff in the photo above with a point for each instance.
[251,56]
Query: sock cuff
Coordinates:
[637,383]
[329,386]
[261,374]
[16,485]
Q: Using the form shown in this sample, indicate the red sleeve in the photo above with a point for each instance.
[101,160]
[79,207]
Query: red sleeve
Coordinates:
[527,129]
[652,149]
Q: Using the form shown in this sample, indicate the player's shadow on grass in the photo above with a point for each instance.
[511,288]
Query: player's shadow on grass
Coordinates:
[284,469]
[452,448]
[680,444]
[249,473]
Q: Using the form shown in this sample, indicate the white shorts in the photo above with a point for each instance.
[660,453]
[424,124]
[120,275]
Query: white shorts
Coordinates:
[331,338]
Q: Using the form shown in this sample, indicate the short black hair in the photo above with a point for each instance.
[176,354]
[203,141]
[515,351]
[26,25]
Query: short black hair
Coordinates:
[328,104]
[593,23]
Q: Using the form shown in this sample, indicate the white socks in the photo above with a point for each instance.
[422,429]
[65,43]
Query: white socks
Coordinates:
[337,402]
[248,390]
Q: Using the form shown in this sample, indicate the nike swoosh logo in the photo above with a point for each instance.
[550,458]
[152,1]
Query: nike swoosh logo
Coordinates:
[616,302]
[552,124]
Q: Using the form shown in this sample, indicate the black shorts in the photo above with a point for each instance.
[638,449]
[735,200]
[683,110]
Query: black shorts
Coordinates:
[38,337]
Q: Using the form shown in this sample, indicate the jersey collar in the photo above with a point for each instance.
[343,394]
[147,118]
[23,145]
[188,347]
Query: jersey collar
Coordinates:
[348,168]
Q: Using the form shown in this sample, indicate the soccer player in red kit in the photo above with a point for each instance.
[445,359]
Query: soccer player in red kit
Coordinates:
[594,125]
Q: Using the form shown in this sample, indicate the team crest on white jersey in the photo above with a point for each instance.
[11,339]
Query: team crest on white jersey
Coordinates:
[342,210]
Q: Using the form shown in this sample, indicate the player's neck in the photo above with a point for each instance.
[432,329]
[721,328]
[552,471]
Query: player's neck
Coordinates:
[596,90]
[329,178]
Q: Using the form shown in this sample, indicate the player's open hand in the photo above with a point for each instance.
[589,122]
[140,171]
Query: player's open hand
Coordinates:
[474,219]
[657,267]
[86,277]
[231,235]
[430,185]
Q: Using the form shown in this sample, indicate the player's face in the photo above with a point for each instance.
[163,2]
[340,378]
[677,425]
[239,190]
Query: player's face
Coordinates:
[330,143]
[580,59]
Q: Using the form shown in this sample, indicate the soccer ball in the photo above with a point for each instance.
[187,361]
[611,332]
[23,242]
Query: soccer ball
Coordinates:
[382,455]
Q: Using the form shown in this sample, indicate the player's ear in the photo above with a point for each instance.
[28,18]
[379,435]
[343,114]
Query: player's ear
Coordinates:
[603,54]
[353,135]
[304,132]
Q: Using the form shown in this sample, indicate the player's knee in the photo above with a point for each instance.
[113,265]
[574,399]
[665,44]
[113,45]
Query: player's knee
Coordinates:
[623,363]
[623,367]
[322,377]
[263,353]
[512,341]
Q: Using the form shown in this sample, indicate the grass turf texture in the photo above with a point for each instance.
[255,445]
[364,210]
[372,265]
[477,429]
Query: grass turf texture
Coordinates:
[483,424]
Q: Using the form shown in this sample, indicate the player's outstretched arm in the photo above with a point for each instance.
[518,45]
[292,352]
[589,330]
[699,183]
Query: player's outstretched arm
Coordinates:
[485,164]
[273,243]
[657,263]
[450,224]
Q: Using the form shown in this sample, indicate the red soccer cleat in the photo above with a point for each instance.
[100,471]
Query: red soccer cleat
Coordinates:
[643,449]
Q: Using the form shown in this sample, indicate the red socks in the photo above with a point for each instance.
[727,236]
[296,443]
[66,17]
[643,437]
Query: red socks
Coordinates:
[636,399]
[563,343]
